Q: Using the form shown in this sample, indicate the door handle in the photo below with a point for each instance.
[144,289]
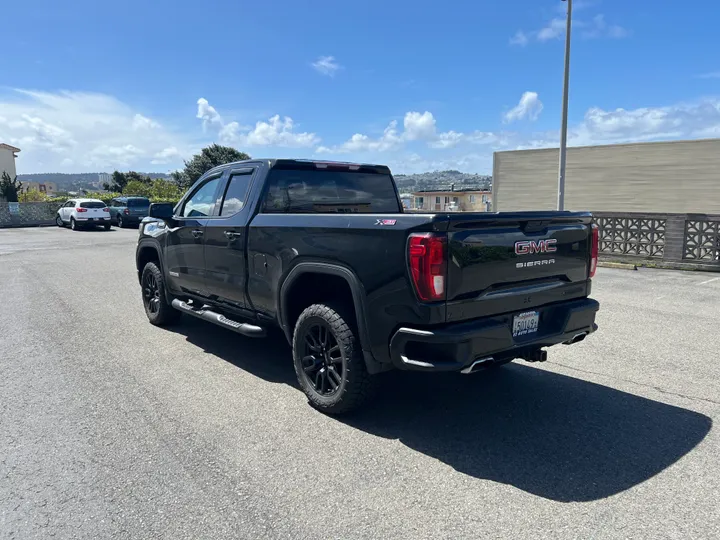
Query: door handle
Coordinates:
[230,235]
[197,233]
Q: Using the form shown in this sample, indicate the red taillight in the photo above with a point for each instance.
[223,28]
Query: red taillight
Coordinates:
[126,211]
[106,209]
[428,265]
[81,209]
[594,249]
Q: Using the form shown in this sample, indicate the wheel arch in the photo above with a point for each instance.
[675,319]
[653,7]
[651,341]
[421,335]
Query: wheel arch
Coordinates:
[147,252]
[301,271]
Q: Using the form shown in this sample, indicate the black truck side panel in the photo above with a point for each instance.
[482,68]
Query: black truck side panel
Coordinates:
[375,253]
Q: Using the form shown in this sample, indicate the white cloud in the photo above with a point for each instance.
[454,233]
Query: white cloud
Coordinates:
[166,156]
[686,120]
[598,28]
[520,38]
[327,65]
[207,113]
[277,132]
[79,131]
[419,126]
[390,140]
[529,107]
[554,29]
[142,122]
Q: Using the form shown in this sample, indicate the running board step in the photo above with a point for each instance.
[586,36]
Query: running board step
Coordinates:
[249,330]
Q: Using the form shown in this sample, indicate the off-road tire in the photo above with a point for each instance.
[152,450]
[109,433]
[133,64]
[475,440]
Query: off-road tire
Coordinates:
[357,386]
[161,313]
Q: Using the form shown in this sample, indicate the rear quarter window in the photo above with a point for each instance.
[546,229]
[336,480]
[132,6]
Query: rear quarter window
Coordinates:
[138,202]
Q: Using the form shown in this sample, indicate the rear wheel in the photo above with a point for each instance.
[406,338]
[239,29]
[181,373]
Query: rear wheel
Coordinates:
[328,360]
[73,224]
[120,222]
[107,226]
[157,309]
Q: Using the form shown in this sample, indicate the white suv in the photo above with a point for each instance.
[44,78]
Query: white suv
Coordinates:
[83,212]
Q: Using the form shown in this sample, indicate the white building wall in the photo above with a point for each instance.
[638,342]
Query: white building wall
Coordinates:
[677,176]
[7,162]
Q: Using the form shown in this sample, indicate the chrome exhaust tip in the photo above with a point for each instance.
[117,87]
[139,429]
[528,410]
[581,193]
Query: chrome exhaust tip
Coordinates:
[477,364]
[577,338]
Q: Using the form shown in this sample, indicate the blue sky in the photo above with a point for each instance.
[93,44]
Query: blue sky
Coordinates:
[418,85]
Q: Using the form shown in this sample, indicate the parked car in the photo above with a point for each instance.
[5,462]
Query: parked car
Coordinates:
[325,252]
[126,211]
[83,213]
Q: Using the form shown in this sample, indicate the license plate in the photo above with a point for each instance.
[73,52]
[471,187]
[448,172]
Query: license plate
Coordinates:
[526,323]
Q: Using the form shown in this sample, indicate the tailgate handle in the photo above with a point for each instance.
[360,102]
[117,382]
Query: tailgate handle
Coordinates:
[534,226]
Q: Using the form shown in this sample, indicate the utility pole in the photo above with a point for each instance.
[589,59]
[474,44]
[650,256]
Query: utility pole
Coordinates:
[563,128]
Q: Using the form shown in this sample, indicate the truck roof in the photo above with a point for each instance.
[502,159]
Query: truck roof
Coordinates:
[285,162]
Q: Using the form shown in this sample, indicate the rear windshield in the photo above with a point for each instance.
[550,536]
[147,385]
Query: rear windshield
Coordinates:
[330,191]
[92,204]
[138,202]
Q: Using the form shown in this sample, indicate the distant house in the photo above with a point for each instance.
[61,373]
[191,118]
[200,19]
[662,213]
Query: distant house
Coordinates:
[407,200]
[7,159]
[452,201]
[46,188]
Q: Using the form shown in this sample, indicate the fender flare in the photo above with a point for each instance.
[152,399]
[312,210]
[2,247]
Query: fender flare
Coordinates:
[356,289]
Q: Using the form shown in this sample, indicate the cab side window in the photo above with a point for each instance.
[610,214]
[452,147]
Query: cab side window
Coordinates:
[202,202]
[236,193]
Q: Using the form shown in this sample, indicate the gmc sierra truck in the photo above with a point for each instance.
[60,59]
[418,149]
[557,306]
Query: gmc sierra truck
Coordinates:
[324,251]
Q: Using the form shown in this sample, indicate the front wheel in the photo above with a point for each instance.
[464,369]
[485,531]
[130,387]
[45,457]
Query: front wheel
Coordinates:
[59,221]
[157,309]
[328,360]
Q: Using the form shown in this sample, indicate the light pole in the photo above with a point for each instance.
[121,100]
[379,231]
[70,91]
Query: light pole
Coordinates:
[563,128]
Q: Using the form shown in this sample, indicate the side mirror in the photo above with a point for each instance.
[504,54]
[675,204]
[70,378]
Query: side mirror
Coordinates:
[162,211]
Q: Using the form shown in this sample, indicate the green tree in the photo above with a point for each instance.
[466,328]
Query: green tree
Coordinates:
[164,190]
[9,187]
[209,157]
[120,180]
[137,189]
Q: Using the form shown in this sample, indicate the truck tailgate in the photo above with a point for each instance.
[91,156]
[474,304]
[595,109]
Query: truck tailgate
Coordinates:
[515,261]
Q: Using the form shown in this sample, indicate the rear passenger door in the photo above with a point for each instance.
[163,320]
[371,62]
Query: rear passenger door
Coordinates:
[226,238]
[66,209]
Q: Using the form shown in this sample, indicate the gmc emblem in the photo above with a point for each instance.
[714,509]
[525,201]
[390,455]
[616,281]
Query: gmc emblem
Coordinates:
[528,247]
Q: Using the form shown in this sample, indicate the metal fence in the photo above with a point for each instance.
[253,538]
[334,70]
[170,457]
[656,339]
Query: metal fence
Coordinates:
[677,238]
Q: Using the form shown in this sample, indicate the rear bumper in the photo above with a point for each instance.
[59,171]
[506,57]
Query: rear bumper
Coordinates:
[93,220]
[456,346]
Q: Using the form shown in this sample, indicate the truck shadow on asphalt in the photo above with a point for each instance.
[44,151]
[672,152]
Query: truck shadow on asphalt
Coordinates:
[558,437]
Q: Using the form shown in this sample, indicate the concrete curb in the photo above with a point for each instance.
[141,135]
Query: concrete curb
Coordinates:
[661,265]
[618,265]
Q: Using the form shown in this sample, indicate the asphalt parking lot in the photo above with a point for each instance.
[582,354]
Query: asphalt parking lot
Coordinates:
[110,427]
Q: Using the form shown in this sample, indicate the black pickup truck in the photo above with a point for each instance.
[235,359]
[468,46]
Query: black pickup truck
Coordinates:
[324,251]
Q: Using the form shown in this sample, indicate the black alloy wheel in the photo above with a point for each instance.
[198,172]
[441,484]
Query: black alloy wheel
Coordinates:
[322,360]
[151,293]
